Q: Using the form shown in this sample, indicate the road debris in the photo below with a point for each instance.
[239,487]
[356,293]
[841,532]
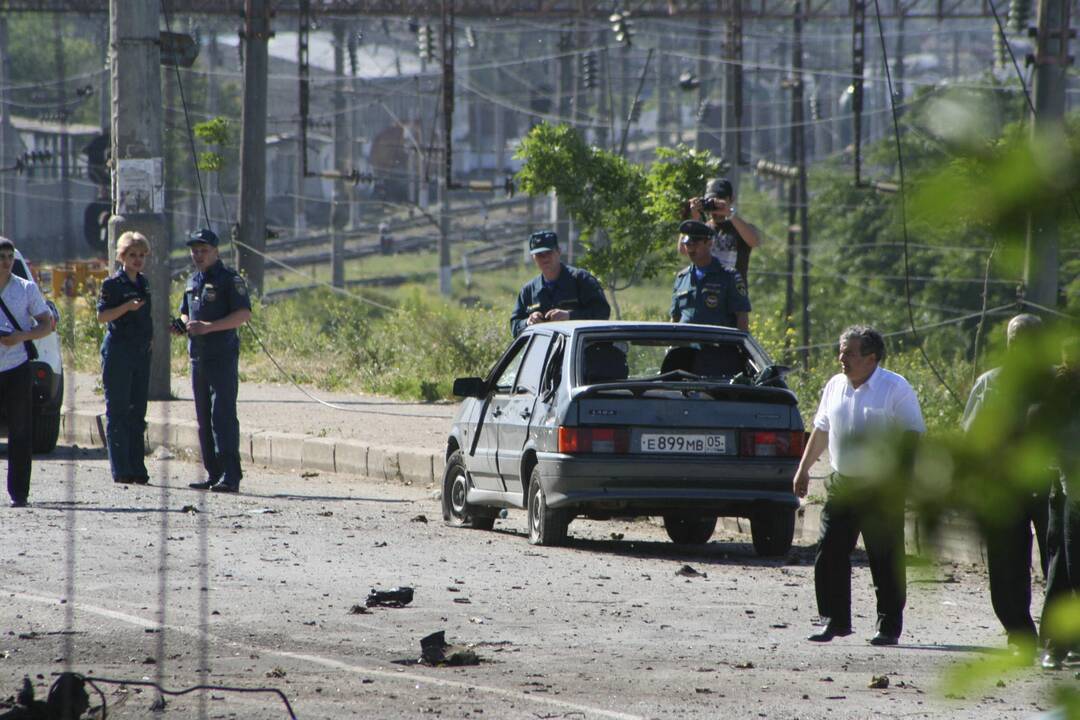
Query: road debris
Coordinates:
[879,682]
[163,453]
[276,672]
[190,510]
[688,571]
[262,511]
[421,518]
[309,474]
[359,610]
[394,597]
[436,652]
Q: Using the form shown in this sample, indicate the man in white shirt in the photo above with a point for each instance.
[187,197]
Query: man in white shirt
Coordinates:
[862,403]
[24,316]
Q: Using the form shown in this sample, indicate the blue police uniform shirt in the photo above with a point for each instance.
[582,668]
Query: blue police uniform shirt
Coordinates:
[134,325]
[709,296]
[575,291]
[210,296]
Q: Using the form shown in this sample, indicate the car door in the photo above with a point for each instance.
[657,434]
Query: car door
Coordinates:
[516,418]
[482,459]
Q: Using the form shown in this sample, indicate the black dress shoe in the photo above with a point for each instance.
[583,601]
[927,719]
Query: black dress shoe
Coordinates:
[884,639]
[204,485]
[140,480]
[224,487]
[827,633]
[123,480]
[18,503]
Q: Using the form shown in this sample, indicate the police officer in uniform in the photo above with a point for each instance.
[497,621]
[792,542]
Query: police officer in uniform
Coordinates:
[215,304]
[559,292]
[124,304]
[706,292]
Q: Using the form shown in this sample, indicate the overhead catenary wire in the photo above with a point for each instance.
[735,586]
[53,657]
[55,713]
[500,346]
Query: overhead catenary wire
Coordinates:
[903,206]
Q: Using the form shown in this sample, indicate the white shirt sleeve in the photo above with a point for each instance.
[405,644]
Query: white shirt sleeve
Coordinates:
[906,409]
[821,419]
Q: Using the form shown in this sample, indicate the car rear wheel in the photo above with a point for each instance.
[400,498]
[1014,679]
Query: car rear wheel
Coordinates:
[690,529]
[457,511]
[772,531]
[546,526]
[46,431]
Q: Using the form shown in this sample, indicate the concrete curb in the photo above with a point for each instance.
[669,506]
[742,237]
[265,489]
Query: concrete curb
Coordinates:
[281,451]
[957,541]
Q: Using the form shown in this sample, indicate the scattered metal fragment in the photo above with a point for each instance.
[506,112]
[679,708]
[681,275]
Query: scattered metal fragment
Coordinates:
[421,518]
[747,665]
[190,510]
[359,610]
[879,682]
[276,672]
[309,473]
[394,597]
[435,651]
[688,571]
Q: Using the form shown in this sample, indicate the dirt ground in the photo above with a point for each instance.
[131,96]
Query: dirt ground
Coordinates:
[258,590]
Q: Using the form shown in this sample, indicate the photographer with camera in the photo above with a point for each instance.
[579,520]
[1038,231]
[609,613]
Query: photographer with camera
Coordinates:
[733,237]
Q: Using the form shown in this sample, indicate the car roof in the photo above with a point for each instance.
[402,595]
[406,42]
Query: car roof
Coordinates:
[569,327]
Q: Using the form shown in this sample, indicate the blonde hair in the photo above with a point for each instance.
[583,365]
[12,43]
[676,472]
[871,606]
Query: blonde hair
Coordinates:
[129,240]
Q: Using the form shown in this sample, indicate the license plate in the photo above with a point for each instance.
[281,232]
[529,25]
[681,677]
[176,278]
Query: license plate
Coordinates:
[684,443]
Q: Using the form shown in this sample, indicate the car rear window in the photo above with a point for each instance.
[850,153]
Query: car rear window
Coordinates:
[608,360]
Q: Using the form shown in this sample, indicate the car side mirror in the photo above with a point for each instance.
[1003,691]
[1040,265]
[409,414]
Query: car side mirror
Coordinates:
[469,387]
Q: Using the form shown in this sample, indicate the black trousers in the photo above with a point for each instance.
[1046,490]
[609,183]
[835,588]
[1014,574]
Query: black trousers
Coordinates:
[1008,561]
[1063,547]
[15,394]
[880,520]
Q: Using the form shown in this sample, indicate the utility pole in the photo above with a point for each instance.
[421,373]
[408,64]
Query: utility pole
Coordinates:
[340,207]
[564,83]
[7,154]
[858,66]
[1051,65]
[799,121]
[64,164]
[733,93]
[252,212]
[446,44]
[137,178]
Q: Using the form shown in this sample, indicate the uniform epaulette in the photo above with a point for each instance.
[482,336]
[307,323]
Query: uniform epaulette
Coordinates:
[683,271]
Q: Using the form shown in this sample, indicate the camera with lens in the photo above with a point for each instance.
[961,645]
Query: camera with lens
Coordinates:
[710,204]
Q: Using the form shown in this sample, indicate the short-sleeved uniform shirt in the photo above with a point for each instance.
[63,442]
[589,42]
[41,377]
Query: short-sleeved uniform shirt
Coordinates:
[210,296]
[135,326]
[575,291]
[25,301]
[709,296]
[886,402]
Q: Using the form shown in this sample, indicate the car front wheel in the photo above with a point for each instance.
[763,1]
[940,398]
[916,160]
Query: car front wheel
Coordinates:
[690,529]
[546,526]
[456,509]
[772,531]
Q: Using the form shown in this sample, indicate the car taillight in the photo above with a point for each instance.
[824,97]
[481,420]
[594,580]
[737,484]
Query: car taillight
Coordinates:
[594,440]
[771,443]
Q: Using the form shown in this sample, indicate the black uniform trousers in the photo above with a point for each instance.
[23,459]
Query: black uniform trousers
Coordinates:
[1063,548]
[16,385]
[1008,562]
[847,514]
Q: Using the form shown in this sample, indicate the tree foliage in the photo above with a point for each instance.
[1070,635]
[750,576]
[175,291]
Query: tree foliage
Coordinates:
[627,214]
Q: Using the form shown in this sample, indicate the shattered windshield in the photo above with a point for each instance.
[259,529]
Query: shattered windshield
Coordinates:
[607,360]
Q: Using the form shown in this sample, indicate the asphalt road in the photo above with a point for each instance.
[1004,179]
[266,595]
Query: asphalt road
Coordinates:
[257,589]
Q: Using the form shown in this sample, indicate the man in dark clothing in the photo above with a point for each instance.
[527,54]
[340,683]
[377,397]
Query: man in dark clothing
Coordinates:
[215,304]
[1008,537]
[706,292]
[559,292]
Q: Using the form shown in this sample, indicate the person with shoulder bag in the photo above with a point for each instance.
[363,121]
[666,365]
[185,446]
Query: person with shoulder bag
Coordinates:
[24,317]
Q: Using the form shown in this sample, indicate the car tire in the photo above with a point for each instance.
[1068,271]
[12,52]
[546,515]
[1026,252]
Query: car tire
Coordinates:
[546,526]
[772,531]
[456,510]
[46,431]
[690,529]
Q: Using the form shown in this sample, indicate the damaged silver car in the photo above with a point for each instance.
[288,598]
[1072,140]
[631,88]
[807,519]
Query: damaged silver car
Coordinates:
[604,419]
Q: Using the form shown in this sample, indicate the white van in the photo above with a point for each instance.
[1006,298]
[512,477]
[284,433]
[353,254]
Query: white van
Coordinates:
[47,372]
